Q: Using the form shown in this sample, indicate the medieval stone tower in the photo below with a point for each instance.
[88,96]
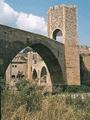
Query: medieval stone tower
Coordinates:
[62,26]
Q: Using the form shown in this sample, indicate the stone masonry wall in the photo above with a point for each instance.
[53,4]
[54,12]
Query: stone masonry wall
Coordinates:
[64,18]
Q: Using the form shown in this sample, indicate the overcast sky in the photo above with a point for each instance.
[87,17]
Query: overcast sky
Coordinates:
[31,15]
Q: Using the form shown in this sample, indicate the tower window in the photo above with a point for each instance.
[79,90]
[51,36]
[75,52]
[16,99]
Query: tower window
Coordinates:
[58,36]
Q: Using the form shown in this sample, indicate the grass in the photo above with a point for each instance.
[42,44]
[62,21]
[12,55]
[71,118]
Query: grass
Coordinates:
[71,104]
[56,107]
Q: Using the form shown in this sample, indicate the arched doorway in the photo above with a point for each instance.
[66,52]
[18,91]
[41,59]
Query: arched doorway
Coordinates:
[34,75]
[58,36]
[43,75]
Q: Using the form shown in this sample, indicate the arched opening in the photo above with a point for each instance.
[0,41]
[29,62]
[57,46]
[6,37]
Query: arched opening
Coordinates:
[52,63]
[49,58]
[43,71]
[34,75]
[43,75]
[58,36]
[45,52]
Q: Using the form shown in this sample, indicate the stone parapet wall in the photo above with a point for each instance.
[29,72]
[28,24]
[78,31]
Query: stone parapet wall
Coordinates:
[84,49]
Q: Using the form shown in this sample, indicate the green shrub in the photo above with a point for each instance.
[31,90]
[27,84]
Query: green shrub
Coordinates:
[57,89]
[55,108]
[77,89]
[2,83]
[30,95]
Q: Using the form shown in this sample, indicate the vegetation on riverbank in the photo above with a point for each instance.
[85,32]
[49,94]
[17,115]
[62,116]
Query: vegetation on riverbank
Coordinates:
[29,103]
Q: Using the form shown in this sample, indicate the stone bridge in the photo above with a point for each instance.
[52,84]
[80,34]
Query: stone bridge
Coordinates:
[12,41]
[62,60]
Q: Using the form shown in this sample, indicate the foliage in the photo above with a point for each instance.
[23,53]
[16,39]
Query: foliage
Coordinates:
[77,89]
[10,103]
[27,104]
[71,89]
[30,95]
[2,83]
[27,94]
[58,107]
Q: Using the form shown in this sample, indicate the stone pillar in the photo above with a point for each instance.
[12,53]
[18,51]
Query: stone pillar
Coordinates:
[29,66]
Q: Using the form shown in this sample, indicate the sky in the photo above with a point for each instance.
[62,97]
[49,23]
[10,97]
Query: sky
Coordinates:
[31,15]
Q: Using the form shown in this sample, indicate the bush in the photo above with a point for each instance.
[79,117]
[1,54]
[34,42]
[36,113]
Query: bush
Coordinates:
[58,107]
[77,89]
[71,89]
[2,83]
[10,103]
[30,95]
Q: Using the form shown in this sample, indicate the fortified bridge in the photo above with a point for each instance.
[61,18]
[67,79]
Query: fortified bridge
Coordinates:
[12,41]
[62,59]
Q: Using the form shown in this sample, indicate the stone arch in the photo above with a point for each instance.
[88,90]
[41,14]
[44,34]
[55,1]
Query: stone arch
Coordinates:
[47,55]
[34,74]
[58,35]
[51,62]
[51,51]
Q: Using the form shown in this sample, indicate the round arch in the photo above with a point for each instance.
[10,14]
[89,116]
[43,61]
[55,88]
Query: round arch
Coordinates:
[58,35]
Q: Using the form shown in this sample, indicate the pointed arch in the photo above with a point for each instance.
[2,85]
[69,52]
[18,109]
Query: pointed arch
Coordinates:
[43,75]
[34,75]
[43,71]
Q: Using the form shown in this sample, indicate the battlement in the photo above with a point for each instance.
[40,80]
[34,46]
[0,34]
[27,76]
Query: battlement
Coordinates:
[60,6]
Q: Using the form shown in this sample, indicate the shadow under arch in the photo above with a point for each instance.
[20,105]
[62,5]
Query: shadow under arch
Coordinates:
[51,62]
[46,54]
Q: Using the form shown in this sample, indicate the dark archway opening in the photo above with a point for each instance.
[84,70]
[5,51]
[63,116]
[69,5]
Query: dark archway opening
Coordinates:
[43,71]
[34,75]
[43,75]
[58,36]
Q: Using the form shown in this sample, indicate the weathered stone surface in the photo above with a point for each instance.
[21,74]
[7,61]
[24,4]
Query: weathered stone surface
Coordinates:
[64,18]
[62,59]
[12,41]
